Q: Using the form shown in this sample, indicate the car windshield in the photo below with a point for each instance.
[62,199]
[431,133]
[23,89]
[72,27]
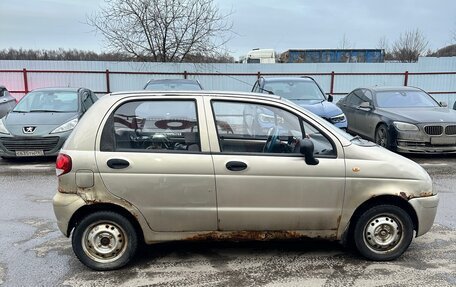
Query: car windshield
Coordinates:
[295,90]
[166,86]
[48,101]
[404,99]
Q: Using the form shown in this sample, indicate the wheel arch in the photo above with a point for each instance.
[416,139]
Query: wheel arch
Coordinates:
[85,210]
[374,201]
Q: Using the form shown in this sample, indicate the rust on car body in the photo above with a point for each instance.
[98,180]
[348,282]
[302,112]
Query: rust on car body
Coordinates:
[255,236]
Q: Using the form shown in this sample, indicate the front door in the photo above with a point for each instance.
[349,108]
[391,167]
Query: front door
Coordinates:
[263,182]
[154,155]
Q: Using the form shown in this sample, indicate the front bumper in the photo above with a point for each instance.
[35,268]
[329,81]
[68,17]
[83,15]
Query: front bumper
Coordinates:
[420,142]
[49,144]
[426,209]
[65,205]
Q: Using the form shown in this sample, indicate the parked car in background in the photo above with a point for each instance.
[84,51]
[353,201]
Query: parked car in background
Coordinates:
[404,119]
[173,84]
[305,92]
[7,102]
[42,120]
[196,168]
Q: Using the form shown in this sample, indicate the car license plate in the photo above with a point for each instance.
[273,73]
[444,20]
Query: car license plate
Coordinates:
[443,141]
[29,153]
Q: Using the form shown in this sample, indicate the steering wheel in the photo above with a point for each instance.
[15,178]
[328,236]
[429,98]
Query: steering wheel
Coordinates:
[273,134]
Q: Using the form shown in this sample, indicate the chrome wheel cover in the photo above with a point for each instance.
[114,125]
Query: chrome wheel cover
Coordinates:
[383,233]
[104,242]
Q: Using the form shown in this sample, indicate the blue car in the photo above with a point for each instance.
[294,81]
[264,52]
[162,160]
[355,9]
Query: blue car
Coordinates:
[305,92]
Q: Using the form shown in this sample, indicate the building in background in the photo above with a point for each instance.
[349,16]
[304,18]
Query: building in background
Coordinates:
[333,56]
[259,56]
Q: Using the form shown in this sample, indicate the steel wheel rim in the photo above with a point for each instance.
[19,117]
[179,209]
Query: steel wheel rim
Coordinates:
[381,137]
[104,242]
[383,233]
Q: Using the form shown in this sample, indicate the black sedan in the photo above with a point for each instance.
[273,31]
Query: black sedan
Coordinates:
[42,121]
[403,119]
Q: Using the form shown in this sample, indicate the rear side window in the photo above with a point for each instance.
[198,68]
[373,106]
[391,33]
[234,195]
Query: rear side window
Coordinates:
[153,126]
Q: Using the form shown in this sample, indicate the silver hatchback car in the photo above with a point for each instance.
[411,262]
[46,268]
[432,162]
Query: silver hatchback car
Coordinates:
[158,166]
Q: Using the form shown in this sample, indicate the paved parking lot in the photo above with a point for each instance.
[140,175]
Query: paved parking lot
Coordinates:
[34,253]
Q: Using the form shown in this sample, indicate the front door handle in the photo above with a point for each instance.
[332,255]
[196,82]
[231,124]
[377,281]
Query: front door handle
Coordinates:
[117,163]
[236,165]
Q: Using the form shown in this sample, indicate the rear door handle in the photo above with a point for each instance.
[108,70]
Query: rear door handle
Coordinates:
[236,165]
[117,163]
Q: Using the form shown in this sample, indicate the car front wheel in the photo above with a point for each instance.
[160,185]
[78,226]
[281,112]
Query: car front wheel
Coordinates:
[105,241]
[381,136]
[383,232]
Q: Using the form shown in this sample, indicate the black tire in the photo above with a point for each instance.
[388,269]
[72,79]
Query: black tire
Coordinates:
[383,232]
[105,240]
[381,136]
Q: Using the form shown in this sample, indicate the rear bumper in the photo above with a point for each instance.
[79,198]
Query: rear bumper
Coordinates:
[426,209]
[65,205]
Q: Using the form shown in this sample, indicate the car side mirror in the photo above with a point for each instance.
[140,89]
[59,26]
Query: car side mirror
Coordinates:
[307,149]
[365,106]
[330,98]
[443,104]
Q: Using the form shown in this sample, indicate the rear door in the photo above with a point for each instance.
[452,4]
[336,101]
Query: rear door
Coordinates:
[154,153]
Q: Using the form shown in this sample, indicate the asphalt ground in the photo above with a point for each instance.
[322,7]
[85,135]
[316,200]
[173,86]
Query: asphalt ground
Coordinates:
[33,252]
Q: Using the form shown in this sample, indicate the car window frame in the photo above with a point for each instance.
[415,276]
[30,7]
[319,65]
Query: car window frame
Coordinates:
[300,118]
[110,121]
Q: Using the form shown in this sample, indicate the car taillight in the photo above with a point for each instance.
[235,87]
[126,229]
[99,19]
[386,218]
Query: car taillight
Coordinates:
[63,164]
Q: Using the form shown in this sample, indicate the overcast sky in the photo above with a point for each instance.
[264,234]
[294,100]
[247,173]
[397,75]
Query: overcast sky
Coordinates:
[282,25]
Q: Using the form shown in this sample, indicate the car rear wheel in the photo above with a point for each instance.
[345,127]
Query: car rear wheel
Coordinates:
[383,232]
[381,136]
[105,241]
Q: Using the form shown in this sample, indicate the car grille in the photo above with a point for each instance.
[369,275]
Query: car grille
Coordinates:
[450,130]
[433,130]
[45,144]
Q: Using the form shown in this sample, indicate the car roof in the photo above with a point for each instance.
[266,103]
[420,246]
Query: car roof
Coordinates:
[281,79]
[196,93]
[2,87]
[393,88]
[68,89]
[173,81]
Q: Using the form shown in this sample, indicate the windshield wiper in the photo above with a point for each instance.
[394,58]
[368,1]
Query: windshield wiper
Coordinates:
[45,111]
[357,137]
[267,91]
[17,111]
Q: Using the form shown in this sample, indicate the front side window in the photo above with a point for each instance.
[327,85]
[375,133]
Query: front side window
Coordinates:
[154,126]
[256,128]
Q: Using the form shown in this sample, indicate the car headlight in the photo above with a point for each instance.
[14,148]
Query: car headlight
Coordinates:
[66,126]
[405,126]
[3,129]
[337,119]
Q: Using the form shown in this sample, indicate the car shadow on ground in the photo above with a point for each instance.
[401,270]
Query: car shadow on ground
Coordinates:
[216,249]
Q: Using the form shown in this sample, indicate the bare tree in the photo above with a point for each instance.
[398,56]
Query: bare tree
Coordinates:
[410,45]
[345,43]
[163,30]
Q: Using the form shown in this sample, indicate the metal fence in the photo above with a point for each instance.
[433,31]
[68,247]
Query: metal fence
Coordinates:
[238,77]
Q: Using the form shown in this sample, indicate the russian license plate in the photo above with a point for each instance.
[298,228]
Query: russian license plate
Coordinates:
[29,153]
[443,141]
